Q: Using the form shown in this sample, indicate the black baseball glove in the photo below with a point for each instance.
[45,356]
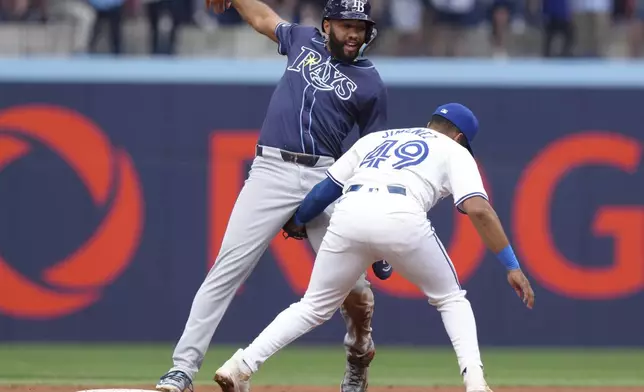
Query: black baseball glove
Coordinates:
[291,230]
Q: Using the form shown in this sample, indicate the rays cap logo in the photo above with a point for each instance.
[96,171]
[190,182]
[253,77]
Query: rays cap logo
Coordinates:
[354,5]
[76,281]
[358,6]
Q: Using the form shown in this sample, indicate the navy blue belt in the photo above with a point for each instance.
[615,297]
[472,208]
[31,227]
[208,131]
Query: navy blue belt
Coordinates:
[397,189]
[294,157]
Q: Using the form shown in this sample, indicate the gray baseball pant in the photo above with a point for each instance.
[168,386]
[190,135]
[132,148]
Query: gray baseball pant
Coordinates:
[271,194]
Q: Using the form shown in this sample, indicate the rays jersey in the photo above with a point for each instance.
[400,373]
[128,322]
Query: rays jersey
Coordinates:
[319,100]
[430,165]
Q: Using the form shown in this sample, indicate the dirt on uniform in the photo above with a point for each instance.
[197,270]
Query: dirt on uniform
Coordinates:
[260,388]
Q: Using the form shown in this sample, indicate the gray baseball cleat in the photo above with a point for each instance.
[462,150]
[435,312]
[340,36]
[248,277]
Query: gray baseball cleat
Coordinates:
[356,373]
[175,381]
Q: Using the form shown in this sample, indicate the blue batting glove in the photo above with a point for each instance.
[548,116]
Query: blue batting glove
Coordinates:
[382,269]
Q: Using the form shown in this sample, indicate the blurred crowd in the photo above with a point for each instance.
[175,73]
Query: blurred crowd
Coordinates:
[565,28]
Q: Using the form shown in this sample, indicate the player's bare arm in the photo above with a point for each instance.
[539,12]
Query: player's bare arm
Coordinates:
[489,227]
[486,222]
[256,13]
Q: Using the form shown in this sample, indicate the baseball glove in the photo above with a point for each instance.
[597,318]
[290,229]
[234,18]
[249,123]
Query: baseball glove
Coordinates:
[291,230]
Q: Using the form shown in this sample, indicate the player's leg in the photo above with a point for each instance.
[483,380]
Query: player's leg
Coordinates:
[357,311]
[262,207]
[420,257]
[339,262]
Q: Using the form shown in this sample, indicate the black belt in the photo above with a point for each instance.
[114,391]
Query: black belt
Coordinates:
[397,189]
[287,156]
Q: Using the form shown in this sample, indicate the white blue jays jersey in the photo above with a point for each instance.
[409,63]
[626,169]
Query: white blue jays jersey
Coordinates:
[430,165]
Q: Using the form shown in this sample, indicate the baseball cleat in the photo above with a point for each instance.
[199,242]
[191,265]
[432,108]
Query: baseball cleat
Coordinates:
[475,380]
[174,381]
[356,373]
[231,377]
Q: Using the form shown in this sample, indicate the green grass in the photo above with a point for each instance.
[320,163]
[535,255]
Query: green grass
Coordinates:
[143,364]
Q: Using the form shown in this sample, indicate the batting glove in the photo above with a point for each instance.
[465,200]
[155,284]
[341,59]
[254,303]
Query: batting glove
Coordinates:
[382,269]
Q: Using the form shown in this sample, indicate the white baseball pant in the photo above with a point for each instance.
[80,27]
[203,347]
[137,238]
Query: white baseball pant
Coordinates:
[364,227]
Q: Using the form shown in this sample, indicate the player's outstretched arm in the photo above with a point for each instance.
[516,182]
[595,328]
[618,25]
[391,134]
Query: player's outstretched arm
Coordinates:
[317,200]
[330,189]
[259,16]
[489,227]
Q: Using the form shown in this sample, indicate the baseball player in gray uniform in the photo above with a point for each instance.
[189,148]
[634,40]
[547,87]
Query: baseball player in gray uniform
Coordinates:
[328,87]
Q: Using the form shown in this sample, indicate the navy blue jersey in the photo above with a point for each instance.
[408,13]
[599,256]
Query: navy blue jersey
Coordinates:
[319,99]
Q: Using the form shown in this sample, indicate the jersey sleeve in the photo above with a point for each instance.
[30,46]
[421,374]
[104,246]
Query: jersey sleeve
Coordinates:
[287,33]
[342,170]
[373,117]
[463,178]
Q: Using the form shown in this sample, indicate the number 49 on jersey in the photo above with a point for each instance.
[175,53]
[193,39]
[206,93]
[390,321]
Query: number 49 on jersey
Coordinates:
[409,153]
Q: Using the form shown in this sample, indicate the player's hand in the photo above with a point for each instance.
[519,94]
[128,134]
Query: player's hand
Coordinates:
[522,287]
[218,6]
[292,230]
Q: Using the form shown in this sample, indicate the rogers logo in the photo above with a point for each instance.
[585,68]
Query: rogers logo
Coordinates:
[111,180]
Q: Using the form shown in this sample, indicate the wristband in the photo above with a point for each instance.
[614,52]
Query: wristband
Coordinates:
[508,258]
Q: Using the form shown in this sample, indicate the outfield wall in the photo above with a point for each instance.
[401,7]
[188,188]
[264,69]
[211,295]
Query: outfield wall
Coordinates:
[117,177]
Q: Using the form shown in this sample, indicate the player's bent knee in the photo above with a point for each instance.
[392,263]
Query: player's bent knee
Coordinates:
[359,300]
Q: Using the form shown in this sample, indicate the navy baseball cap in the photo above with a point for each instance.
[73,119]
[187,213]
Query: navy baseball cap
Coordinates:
[463,118]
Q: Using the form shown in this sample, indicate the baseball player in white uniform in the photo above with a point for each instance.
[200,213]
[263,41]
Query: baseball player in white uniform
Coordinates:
[386,183]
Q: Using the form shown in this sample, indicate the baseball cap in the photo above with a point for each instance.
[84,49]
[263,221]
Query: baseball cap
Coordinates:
[463,118]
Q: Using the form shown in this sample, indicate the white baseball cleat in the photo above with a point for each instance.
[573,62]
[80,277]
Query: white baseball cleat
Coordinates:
[231,376]
[474,380]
